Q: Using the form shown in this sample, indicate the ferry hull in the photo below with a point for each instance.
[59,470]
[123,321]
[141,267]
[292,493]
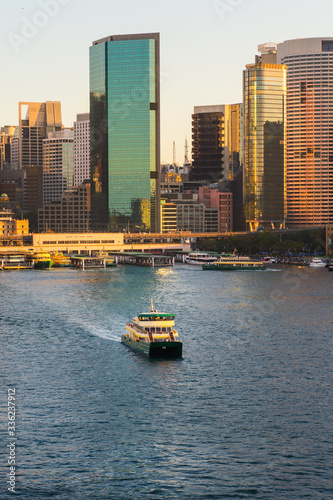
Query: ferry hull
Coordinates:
[212,267]
[43,264]
[155,349]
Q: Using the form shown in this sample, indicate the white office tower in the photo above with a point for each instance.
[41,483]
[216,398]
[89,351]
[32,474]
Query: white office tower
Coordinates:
[81,148]
[309,162]
[58,164]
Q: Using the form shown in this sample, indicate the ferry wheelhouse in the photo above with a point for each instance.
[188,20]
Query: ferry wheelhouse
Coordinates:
[154,334]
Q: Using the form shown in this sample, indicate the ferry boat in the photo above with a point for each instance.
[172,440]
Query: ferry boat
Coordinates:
[232,262]
[199,258]
[40,260]
[315,262]
[13,262]
[61,260]
[153,334]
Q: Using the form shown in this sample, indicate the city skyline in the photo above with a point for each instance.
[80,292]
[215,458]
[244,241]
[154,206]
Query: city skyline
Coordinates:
[204,49]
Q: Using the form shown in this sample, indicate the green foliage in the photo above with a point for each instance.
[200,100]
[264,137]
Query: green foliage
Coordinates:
[268,241]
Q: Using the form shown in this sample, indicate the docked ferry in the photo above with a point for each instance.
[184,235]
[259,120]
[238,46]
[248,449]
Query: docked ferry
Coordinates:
[232,262]
[200,258]
[13,262]
[61,260]
[153,333]
[40,260]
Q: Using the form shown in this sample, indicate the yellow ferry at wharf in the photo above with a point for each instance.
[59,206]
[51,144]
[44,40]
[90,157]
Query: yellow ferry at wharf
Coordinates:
[40,259]
[61,260]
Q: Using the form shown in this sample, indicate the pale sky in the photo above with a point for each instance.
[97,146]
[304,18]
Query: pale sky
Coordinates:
[205,45]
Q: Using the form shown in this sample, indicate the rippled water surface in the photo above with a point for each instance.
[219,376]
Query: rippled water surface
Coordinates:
[246,413]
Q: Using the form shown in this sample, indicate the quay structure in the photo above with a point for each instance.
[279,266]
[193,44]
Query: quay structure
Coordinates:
[89,244]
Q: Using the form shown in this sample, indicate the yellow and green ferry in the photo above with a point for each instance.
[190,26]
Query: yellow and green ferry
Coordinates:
[153,334]
[232,262]
[40,260]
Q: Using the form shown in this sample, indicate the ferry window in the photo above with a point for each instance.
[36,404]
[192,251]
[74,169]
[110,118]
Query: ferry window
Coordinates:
[153,329]
[163,329]
[158,329]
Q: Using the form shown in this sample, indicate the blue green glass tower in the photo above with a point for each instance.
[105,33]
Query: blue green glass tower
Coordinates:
[125,133]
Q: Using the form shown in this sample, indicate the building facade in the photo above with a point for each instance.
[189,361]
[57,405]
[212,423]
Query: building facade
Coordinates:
[81,148]
[58,164]
[208,144]
[264,89]
[69,214]
[191,217]
[168,217]
[125,132]
[219,209]
[36,120]
[6,138]
[309,138]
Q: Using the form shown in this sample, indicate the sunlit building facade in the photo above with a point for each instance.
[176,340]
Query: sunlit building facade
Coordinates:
[309,138]
[125,133]
[36,120]
[58,164]
[81,148]
[264,149]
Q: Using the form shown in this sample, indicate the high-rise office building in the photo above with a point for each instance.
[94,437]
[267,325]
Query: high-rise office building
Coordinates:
[36,120]
[6,139]
[81,148]
[309,137]
[58,164]
[264,91]
[125,132]
[208,156]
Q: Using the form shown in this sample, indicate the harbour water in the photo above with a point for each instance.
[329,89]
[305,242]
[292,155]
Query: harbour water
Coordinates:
[246,413]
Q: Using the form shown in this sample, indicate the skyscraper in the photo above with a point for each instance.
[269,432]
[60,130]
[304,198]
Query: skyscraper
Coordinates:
[264,130]
[81,148]
[309,162]
[208,144]
[58,164]
[125,132]
[36,120]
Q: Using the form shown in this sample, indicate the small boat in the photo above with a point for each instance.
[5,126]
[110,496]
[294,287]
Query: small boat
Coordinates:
[232,262]
[269,260]
[200,258]
[315,262]
[40,260]
[330,267]
[153,334]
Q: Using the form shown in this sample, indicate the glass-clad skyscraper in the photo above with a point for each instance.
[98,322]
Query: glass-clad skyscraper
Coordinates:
[264,149]
[125,133]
